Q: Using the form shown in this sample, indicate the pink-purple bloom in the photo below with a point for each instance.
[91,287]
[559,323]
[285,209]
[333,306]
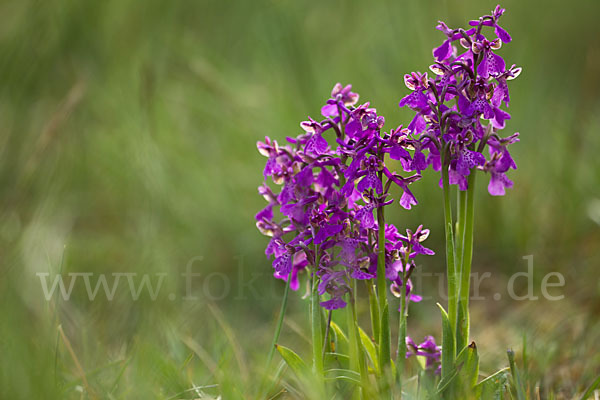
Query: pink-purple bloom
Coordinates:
[428,349]
[332,179]
[468,89]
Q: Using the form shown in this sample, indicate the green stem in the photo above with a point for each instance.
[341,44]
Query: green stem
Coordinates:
[385,361]
[327,328]
[401,354]
[384,341]
[450,261]
[460,226]
[381,286]
[362,361]
[459,235]
[316,330]
[357,362]
[353,337]
[277,329]
[467,257]
[374,308]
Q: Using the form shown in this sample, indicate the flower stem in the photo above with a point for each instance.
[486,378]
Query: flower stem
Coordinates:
[385,360]
[401,353]
[316,330]
[357,361]
[374,308]
[381,289]
[450,261]
[461,215]
[277,329]
[460,225]
[362,362]
[327,328]
[384,342]
[467,257]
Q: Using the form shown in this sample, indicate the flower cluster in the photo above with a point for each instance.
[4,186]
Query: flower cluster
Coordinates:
[467,88]
[333,178]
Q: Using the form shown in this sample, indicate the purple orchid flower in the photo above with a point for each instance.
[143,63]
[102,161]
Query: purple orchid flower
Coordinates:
[412,242]
[428,349]
[493,21]
[328,194]
[339,95]
[475,82]
[491,64]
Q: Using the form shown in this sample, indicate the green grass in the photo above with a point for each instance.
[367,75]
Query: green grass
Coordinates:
[127,145]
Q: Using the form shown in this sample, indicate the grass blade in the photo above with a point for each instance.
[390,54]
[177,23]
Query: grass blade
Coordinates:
[516,376]
[590,390]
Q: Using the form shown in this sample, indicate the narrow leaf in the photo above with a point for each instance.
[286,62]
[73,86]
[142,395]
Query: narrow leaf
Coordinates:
[495,376]
[336,357]
[590,390]
[345,378]
[493,386]
[370,349]
[460,326]
[293,360]
[341,371]
[374,308]
[516,376]
[448,349]
[445,381]
[470,370]
[341,336]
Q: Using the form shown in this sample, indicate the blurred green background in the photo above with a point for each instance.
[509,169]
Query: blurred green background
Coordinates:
[127,145]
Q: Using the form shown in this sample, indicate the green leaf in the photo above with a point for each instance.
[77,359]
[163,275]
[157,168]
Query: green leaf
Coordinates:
[460,326]
[333,345]
[516,376]
[336,357]
[341,371]
[467,366]
[494,377]
[470,370]
[355,349]
[590,390]
[465,371]
[374,308]
[316,330]
[341,336]
[345,378]
[448,349]
[293,360]
[493,386]
[336,360]
[393,365]
[453,373]
[445,381]
[369,347]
